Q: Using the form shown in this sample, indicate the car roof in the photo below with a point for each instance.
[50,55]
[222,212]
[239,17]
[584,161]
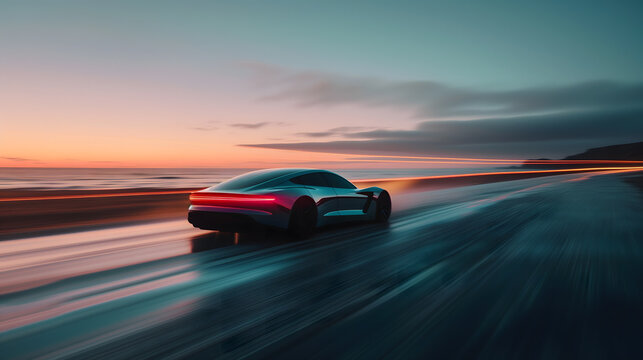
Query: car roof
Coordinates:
[279,171]
[283,172]
[269,177]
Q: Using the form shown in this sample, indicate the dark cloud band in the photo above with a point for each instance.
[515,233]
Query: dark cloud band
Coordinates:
[430,99]
[551,135]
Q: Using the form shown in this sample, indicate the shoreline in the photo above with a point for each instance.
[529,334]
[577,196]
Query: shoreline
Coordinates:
[26,213]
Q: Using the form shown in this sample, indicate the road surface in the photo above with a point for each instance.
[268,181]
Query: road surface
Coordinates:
[540,268]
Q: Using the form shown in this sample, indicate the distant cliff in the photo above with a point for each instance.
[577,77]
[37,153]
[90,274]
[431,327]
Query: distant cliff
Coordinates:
[633,151]
[626,152]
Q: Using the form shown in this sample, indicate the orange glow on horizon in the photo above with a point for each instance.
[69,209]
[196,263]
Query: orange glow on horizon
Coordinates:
[306,160]
[169,192]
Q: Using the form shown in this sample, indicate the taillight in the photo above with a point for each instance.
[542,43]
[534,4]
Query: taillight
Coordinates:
[204,198]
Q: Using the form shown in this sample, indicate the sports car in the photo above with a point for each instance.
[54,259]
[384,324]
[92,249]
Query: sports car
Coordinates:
[296,200]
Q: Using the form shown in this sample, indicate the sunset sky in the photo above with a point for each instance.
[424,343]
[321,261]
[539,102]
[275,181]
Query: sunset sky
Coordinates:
[296,83]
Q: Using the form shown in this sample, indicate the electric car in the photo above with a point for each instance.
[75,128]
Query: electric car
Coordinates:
[296,200]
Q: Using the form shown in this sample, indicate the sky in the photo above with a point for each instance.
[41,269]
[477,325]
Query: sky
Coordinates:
[253,84]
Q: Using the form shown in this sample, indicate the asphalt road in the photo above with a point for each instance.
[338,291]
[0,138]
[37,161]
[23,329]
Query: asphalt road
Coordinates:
[540,268]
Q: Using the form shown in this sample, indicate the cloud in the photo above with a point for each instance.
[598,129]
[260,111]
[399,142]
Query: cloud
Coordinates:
[207,126]
[18,159]
[431,99]
[250,125]
[256,125]
[530,136]
[342,130]
[548,120]
[216,125]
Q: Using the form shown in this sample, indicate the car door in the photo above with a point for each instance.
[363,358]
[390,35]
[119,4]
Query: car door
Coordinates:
[351,203]
[323,194]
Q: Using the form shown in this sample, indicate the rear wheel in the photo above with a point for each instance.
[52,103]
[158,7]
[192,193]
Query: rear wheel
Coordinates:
[383,211]
[303,218]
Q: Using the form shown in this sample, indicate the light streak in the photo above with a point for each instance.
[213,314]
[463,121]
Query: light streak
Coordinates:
[459,160]
[585,177]
[90,196]
[453,176]
[507,195]
[500,173]
[507,162]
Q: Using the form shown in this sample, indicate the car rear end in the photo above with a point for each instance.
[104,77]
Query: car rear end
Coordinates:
[235,211]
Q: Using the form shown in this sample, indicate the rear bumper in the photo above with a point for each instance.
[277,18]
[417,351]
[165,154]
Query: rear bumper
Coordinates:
[234,219]
[208,220]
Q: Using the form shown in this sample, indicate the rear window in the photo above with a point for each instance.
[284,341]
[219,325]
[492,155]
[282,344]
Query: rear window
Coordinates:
[250,179]
[337,181]
[313,179]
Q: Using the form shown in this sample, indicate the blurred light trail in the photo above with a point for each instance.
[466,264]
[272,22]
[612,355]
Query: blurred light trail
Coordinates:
[384,157]
[95,295]
[555,248]
[508,195]
[507,162]
[455,176]
[601,173]
[89,196]
[581,178]
[26,263]
[503,173]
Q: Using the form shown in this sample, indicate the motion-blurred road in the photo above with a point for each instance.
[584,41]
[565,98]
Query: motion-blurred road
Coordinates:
[540,268]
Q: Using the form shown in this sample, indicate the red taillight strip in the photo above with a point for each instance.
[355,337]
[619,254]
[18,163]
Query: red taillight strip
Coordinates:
[205,197]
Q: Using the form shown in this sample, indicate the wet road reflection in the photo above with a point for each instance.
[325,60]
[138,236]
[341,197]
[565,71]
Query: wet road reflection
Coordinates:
[532,268]
[215,240]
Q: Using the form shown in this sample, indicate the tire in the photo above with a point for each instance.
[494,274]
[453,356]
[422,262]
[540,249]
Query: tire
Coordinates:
[303,218]
[383,210]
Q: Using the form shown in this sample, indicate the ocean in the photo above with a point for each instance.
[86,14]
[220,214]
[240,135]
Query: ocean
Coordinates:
[122,178]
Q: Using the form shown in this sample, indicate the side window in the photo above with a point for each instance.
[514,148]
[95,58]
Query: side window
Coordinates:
[338,181]
[313,179]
